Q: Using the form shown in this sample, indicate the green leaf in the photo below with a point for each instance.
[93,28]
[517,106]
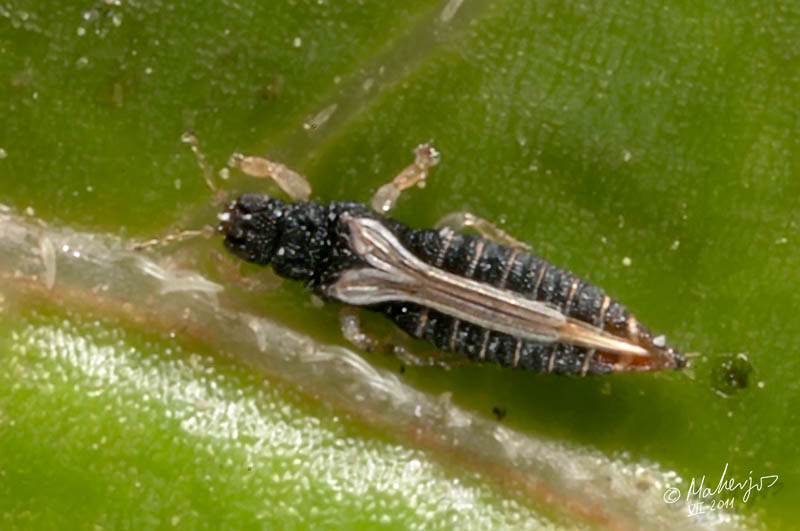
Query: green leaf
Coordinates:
[649,148]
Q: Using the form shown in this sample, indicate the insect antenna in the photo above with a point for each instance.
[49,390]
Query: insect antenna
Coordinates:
[172,238]
[207,169]
[689,369]
[218,198]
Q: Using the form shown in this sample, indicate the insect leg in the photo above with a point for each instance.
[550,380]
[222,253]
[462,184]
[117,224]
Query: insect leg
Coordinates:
[230,271]
[291,182]
[458,221]
[425,158]
[350,321]
[440,359]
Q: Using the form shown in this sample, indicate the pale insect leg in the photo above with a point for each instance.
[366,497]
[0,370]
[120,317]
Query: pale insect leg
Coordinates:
[350,323]
[295,185]
[442,360]
[458,221]
[228,269]
[425,158]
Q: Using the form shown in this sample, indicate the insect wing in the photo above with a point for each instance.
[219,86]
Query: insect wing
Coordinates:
[371,286]
[397,275]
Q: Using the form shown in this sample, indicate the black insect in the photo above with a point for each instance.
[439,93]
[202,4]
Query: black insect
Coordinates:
[463,293]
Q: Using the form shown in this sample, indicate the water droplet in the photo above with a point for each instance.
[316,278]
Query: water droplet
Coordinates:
[731,374]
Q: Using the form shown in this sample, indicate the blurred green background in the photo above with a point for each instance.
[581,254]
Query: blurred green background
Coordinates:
[652,149]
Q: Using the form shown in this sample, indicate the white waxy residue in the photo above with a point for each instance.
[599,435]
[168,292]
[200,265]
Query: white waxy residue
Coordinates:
[450,10]
[48,252]
[319,119]
[174,281]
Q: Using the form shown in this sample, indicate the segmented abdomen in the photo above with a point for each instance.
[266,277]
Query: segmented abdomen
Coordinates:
[507,268]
